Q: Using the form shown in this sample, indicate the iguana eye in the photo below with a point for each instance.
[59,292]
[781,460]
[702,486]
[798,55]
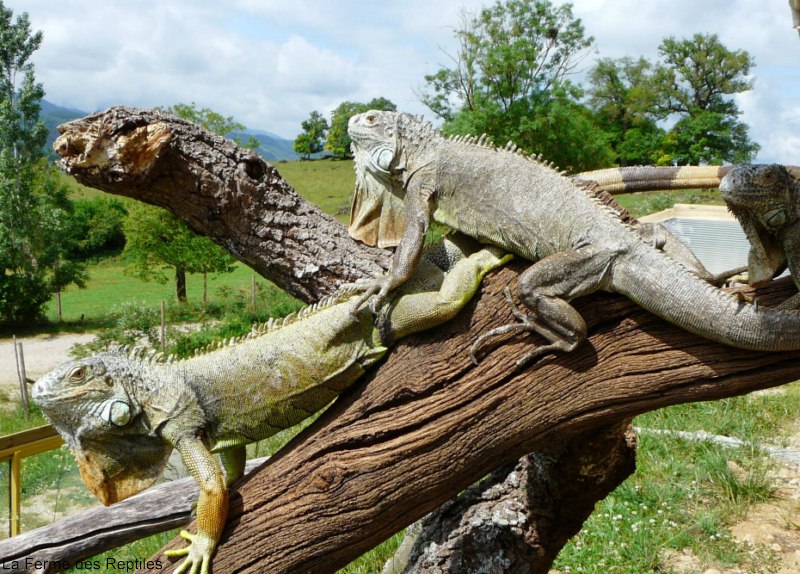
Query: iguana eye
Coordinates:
[77,374]
[371,119]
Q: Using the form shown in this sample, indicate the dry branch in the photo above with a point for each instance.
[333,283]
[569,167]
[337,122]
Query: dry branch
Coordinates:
[428,423]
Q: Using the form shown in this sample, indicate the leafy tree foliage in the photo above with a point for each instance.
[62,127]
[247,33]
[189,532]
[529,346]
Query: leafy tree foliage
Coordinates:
[691,85]
[696,79]
[509,81]
[623,97]
[34,209]
[97,227]
[157,240]
[311,140]
[214,122]
[337,141]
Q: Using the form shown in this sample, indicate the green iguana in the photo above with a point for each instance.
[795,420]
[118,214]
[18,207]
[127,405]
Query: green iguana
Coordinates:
[121,414]
[766,201]
[408,175]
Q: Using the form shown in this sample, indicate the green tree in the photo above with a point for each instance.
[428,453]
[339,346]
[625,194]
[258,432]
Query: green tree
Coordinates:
[97,227]
[709,137]
[696,78]
[337,141]
[623,98]
[311,140]
[157,240]
[35,227]
[214,122]
[509,80]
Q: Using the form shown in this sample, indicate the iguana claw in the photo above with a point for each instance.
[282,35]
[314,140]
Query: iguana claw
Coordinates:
[375,291]
[198,554]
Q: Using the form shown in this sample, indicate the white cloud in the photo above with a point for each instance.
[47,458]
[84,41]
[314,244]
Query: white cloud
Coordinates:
[269,64]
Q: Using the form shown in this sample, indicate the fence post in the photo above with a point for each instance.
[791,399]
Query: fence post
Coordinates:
[163,326]
[58,304]
[22,376]
[254,294]
[15,489]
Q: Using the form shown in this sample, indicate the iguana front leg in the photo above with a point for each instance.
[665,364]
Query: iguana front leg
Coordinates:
[212,506]
[546,288]
[406,256]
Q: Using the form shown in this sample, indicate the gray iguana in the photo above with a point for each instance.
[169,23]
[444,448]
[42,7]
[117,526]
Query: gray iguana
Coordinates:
[766,201]
[121,414]
[408,174]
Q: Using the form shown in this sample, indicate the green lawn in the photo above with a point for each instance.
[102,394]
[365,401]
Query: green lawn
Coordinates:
[325,183]
[108,288]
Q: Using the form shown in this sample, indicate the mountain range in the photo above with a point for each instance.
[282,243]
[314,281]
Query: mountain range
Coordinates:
[272,147]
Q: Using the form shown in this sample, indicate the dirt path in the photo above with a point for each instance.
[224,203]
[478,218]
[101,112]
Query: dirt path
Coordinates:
[42,353]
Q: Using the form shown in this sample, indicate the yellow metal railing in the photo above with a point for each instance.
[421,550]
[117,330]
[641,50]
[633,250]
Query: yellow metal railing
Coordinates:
[15,447]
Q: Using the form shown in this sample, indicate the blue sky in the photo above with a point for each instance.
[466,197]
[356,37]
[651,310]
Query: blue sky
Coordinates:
[269,63]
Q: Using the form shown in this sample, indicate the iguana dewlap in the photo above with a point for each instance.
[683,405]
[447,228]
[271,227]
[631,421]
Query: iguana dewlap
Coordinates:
[511,200]
[121,414]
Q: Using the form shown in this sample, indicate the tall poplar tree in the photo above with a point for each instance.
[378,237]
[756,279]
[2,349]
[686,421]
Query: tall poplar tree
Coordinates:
[34,209]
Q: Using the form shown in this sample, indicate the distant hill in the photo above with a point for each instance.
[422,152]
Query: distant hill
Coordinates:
[53,116]
[272,146]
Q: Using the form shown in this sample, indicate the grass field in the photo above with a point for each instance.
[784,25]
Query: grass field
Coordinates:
[684,495]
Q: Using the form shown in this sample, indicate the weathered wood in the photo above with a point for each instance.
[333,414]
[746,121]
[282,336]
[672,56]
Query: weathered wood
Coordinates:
[221,190]
[429,423]
[514,520]
[98,529]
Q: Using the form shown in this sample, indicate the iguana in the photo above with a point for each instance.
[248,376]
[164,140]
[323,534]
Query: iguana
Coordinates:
[766,201]
[121,414]
[516,202]
[794,6]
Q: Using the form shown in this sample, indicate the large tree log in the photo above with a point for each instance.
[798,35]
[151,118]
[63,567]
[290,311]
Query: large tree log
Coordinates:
[428,423]
[221,190]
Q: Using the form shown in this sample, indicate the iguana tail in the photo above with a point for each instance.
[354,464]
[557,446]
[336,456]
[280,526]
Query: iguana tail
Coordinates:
[668,290]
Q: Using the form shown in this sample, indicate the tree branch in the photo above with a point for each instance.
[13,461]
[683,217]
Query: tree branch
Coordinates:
[228,193]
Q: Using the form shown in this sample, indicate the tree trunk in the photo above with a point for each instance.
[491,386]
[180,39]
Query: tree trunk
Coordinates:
[428,423]
[180,284]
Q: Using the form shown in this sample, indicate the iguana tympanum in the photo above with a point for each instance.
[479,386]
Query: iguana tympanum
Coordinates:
[766,201]
[122,414]
[527,207]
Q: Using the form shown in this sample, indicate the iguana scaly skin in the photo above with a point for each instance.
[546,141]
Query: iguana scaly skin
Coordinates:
[766,201]
[122,414]
[515,202]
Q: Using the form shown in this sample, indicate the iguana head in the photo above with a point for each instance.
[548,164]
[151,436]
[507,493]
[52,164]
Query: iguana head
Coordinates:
[91,404]
[380,148]
[761,198]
